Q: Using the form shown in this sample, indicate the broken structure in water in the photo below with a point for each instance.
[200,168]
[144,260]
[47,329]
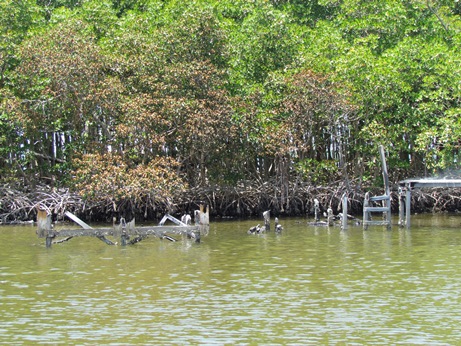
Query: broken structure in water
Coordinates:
[127,231]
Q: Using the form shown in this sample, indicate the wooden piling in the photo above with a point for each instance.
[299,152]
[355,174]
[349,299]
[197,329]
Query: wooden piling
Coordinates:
[401,207]
[43,223]
[344,207]
[330,217]
[267,220]
[316,210]
[44,229]
[407,206]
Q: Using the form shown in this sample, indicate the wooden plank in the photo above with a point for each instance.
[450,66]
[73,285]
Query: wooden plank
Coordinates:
[77,220]
[172,219]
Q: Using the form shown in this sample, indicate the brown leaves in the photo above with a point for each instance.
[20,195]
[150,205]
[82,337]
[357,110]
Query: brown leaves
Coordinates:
[109,177]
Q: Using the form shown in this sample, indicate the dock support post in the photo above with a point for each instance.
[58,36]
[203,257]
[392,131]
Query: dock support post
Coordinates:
[366,213]
[49,238]
[197,236]
[267,220]
[44,227]
[401,207]
[344,218]
[316,210]
[330,217]
[124,238]
[407,205]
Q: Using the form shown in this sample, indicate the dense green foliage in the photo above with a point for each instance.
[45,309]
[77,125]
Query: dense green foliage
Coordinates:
[213,92]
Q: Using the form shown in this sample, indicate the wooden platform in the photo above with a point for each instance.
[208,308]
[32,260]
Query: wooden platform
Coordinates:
[405,187]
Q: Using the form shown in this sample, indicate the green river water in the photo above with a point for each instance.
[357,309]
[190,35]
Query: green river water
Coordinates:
[306,286]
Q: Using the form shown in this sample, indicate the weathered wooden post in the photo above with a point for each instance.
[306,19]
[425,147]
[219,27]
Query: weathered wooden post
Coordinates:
[344,218]
[44,229]
[267,220]
[401,207]
[43,223]
[124,237]
[202,216]
[366,213]
[330,217]
[316,210]
[407,205]
[194,235]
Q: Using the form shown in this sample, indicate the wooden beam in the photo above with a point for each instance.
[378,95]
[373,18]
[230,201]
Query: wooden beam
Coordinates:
[429,183]
[77,220]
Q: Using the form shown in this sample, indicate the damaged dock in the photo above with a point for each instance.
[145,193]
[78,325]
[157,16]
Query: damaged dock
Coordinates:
[127,231]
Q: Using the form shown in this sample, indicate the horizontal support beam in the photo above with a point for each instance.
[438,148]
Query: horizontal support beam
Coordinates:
[428,183]
[380,198]
[142,231]
[375,209]
[376,223]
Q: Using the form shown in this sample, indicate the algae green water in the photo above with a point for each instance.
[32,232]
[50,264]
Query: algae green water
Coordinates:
[306,286]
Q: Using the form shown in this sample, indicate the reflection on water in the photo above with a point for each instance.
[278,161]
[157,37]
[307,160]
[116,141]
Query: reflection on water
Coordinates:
[309,285]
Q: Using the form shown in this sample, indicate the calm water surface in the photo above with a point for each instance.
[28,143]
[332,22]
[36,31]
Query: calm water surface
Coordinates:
[307,286]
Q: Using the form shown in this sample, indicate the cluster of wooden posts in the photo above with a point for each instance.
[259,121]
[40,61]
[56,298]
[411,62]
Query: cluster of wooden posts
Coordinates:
[126,231]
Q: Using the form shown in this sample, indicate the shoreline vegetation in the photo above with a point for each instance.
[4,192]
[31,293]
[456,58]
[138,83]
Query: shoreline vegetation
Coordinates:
[140,108]
[250,200]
